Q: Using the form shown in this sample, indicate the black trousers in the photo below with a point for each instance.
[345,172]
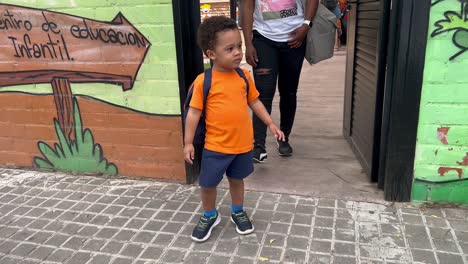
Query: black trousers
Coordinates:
[277,62]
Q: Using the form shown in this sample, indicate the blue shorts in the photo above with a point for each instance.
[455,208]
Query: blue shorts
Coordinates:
[215,164]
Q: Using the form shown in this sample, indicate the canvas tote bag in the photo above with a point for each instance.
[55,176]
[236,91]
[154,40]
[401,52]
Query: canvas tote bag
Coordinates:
[321,36]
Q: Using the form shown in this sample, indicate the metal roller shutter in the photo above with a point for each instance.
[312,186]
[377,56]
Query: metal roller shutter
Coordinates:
[365,70]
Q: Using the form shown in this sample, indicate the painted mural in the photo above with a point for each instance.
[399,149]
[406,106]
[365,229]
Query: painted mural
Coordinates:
[205,11]
[86,92]
[441,162]
[221,8]
[455,21]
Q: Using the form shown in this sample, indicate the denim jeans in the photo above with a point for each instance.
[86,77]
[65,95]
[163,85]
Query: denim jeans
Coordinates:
[277,62]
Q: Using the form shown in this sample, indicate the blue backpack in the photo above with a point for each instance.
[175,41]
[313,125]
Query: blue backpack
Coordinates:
[199,137]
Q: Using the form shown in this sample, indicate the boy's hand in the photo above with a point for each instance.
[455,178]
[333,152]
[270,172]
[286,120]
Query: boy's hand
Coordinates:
[189,153]
[279,135]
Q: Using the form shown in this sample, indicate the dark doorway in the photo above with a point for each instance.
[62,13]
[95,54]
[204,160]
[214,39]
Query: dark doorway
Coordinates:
[365,80]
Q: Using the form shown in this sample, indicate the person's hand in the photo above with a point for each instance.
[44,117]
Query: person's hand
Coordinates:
[298,35]
[251,55]
[279,135]
[189,153]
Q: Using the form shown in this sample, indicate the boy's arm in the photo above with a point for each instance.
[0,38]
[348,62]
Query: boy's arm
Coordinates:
[193,117]
[260,111]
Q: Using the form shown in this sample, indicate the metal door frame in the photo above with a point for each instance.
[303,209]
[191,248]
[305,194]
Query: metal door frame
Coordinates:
[189,60]
[407,51]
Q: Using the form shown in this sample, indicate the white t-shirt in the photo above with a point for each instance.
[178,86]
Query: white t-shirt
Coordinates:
[275,19]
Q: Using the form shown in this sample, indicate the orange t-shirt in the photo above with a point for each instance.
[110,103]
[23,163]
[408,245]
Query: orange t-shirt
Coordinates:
[229,126]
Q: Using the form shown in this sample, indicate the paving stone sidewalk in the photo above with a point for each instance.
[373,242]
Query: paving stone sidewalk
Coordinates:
[57,218]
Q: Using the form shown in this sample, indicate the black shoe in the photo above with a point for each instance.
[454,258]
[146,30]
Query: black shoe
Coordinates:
[242,222]
[284,148]
[202,231]
[259,154]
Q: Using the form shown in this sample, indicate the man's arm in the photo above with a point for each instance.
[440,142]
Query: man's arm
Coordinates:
[247,19]
[248,7]
[311,9]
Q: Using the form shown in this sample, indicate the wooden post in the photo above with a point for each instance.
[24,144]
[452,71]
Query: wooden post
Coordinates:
[64,104]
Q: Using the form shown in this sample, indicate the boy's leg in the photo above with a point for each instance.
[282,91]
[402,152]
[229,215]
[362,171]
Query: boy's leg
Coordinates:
[213,167]
[240,168]
[236,188]
[208,197]
[265,75]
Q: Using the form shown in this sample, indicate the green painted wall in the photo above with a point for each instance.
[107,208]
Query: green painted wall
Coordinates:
[441,172]
[90,86]
[156,89]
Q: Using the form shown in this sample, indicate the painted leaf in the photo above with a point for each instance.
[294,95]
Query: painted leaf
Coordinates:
[62,139]
[74,147]
[59,151]
[97,152]
[88,142]
[452,21]
[48,152]
[43,164]
[102,166]
[461,38]
[112,170]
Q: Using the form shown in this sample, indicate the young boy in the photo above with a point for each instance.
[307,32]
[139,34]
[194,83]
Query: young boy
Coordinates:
[229,130]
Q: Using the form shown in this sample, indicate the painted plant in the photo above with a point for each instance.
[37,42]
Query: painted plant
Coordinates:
[456,21]
[49,47]
[79,155]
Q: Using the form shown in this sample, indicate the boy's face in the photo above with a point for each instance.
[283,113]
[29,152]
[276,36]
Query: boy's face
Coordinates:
[227,54]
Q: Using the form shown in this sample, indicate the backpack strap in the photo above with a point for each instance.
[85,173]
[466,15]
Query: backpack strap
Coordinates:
[206,85]
[242,75]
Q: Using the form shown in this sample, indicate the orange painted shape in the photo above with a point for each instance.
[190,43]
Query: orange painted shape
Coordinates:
[442,134]
[444,170]
[464,162]
[47,45]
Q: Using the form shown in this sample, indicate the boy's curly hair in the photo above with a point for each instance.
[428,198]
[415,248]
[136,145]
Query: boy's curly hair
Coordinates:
[210,27]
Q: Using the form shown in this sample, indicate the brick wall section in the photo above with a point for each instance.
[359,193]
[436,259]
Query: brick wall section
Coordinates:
[442,146]
[138,142]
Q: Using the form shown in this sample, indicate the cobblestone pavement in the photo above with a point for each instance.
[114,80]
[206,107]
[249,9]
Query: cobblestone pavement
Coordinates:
[55,218]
